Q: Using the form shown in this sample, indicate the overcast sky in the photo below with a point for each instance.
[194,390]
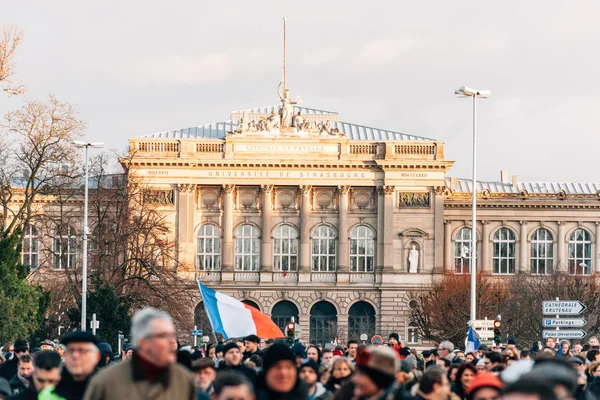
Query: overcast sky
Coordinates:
[138,67]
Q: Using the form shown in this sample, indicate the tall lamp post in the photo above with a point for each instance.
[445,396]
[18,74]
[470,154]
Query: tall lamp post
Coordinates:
[85,146]
[464,92]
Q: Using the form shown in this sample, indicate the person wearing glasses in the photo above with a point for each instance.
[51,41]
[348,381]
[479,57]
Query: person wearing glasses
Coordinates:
[152,373]
[81,358]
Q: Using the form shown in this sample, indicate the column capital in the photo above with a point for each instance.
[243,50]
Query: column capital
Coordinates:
[267,189]
[389,190]
[485,222]
[305,189]
[344,189]
[523,222]
[561,223]
[186,187]
[447,222]
[228,188]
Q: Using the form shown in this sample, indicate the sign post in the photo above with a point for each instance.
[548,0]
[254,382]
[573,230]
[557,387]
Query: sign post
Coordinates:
[563,307]
[94,323]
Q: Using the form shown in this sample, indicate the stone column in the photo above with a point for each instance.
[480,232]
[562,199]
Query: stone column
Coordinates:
[186,205]
[266,249]
[343,255]
[388,232]
[485,261]
[438,233]
[523,246]
[596,250]
[380,226]
[305,230]
[561,264]
[448,249]
[227,256]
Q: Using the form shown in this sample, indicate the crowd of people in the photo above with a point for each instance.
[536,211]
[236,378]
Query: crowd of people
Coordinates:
[155,366]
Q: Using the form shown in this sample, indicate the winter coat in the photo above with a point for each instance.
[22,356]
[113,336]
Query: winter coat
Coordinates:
[321,393]
[242,369]
[129,381]
[29,394]
[9,368]
[17,385]
[298,392]
[67,388]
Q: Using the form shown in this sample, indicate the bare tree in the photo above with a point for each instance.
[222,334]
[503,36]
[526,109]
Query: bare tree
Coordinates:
[10,39]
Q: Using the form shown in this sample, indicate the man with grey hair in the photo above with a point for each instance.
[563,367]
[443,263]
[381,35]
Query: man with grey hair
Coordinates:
[152,372]
[445,350]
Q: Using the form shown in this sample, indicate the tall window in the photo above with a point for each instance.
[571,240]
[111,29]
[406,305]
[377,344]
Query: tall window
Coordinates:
[412,334]
[462,251]
[504,251]
[247,248]
[323,249]
[208,249]
[580,253]
[65,248]
[30,247]
[362,249]
[285,251]
[542,249]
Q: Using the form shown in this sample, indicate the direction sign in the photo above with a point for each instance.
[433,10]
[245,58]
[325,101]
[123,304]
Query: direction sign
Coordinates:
[564,322]
[485,334]
[196,332]
[562,307]
[565,334]
[483,323]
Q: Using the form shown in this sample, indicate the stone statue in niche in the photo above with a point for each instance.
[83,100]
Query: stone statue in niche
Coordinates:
[413,260]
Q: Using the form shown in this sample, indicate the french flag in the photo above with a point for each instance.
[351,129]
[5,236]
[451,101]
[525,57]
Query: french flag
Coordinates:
[234,319]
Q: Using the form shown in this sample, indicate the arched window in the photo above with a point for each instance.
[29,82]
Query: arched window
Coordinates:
[361,319]
[504,251]
[208,248]
[362,249]
[30,247]
[247,248]
[323,323]
[283,312]
[65,248]
[580,252]
[542,250]
[323,249]
[462,251]
[285,249]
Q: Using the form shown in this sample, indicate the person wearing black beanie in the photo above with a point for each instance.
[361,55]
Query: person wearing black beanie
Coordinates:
[279,378]
[233,362]
[309,373]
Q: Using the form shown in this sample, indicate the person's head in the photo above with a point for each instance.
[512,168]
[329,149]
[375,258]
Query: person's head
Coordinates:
[25,366]
[525,355]
[443,362]
[47,370]
[595,369]
[341,368]
[469,357]
[483,348]
[485,386]
[577,348]
[232,386]
[327,356]
[60,349]
[324,373]
[558,373]
[313,353]
[8,347]
[309,372]
[491,360]
[593,341]
[204,373]
[551,342]
[565,346]
[241,345]
[232,355]
[21,347]
[528,389]
[480,366]
[461,354]
[464,376]
[452,372]
[445,348]
[393,339]
[219,351]
[375,371]
[352,348]
[106,352]
[578,363]
[81,354]
[251,342]
[269,343]
[153,336]
[212,351]
[279,369]
[46,345]
[434,384]
[592,356]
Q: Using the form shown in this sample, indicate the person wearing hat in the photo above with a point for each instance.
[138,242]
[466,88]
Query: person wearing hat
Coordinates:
[204,375]
[485,385]
[309,373]
[153,372]
[375,373]
[252,343]
[279,378]
[106,354]
[47,345]
[394,342]
[81,358]
[9,368]
[232,361]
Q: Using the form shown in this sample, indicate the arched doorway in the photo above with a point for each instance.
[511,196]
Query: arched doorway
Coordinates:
[361,319]
[323,323]
[251,303]
[283,312]
[202,322]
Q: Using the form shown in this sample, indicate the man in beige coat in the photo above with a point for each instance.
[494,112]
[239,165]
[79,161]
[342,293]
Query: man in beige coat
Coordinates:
[152,373]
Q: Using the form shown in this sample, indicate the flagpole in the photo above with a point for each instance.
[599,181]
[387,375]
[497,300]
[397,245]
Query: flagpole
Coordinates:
[206,312]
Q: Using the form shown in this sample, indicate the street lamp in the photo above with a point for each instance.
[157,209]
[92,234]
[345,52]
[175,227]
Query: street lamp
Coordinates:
[86,146]
[464,92]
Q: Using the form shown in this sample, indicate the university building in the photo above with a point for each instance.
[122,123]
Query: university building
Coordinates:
[302,214]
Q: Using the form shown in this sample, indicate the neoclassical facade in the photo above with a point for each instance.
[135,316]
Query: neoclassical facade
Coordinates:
[340,225]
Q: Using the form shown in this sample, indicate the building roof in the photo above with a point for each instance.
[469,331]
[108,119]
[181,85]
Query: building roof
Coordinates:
[464,185]
[218,130]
